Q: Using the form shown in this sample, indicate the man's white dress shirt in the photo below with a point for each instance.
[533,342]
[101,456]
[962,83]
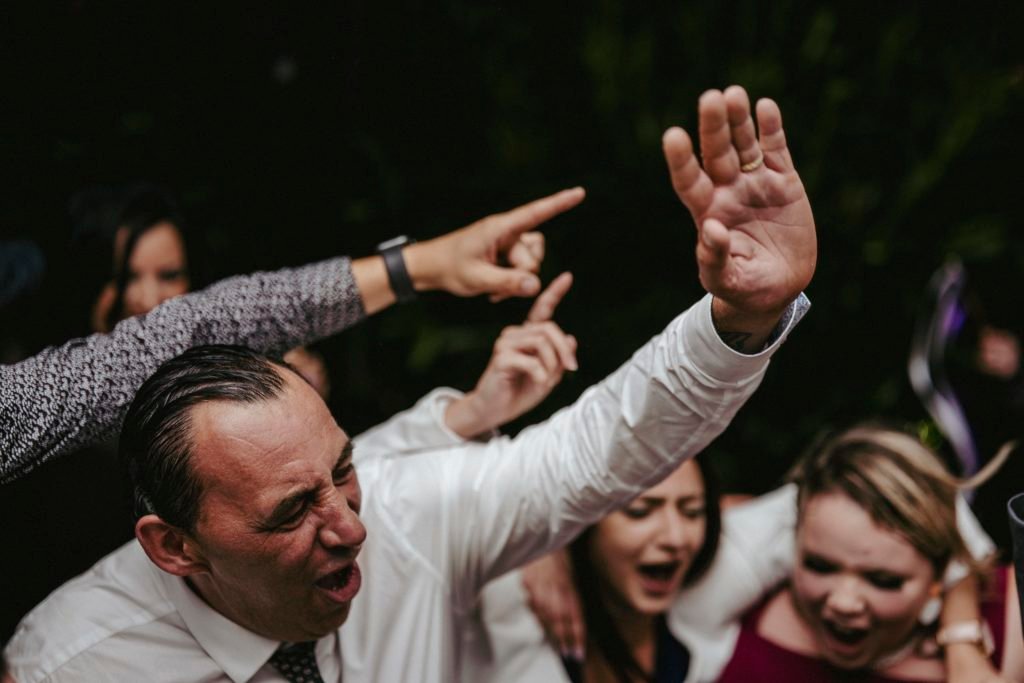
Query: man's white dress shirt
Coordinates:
[441,523]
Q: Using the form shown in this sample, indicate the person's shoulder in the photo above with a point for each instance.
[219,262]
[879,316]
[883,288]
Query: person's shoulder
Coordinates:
[118,595]
[423,474]
[769,515]
[415,503]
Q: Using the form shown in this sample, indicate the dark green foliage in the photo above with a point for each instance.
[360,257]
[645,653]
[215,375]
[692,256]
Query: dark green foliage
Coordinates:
[905,121]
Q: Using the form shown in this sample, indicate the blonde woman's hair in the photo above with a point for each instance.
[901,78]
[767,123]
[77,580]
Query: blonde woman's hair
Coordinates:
[899,482]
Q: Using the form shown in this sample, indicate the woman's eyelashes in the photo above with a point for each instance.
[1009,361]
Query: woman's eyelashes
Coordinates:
[819,565]
[637,512]
[171,275]
[163,275]
[882,580]
[688,509]
[694,512]
[885,581]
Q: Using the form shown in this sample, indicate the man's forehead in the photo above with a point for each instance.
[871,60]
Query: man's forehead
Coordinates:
[285,431]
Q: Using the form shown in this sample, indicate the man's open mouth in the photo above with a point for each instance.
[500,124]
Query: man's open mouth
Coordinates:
[341,585]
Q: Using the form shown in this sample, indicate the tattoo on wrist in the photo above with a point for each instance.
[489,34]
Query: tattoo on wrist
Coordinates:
[735,340]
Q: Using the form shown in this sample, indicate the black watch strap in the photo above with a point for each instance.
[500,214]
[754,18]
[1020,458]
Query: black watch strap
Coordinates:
[398,274]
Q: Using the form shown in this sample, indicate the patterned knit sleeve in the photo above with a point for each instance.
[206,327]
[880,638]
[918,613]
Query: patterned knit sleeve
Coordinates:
[68,397]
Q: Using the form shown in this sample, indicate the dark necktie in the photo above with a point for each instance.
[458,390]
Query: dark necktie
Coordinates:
[297,662]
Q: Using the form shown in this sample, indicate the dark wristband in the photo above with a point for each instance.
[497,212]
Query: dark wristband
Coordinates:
[398,274]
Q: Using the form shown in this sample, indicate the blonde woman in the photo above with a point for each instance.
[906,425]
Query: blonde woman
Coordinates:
[876,530]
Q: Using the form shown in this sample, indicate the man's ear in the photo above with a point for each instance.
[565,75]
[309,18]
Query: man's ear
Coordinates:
[169,547]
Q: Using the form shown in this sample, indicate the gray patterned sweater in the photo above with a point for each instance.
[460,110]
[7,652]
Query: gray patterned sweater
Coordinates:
[68,397]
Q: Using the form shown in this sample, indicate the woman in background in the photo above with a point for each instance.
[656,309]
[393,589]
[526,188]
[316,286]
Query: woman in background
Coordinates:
[133,244]
[630,568]
[632,565]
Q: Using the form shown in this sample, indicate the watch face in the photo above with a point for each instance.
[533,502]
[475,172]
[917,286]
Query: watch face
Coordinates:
[393,242]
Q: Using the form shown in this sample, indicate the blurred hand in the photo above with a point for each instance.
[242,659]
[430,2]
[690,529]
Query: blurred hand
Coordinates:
[756,246]
[499,255]
[998,353]
[527,363]
[311,367]
[553,598]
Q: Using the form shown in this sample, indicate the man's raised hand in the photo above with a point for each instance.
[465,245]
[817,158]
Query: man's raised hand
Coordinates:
[756,246]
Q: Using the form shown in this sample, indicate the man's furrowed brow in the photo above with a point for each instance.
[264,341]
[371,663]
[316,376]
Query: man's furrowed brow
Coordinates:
[288,504]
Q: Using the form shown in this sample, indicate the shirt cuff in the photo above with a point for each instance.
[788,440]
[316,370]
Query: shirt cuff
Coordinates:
[723,363]
[437,402]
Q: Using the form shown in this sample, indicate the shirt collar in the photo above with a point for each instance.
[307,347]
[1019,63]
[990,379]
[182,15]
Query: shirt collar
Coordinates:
[237,650]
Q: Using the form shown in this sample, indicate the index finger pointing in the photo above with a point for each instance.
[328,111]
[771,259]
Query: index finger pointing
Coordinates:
[544,306]
[513,223]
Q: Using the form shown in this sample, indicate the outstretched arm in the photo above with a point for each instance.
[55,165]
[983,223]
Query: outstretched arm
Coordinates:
[756,242]
[68,397]
[65,398]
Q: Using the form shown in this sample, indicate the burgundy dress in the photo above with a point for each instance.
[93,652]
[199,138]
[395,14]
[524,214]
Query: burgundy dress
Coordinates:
[757,659]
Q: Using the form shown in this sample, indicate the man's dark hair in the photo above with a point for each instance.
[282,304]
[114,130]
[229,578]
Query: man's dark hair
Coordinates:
[156,439]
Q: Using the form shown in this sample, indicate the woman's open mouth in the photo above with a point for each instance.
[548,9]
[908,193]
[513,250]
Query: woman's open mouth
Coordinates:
[660,578]
[844,640]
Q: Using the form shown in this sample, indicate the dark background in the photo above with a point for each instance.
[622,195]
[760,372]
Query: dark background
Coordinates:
[297,134]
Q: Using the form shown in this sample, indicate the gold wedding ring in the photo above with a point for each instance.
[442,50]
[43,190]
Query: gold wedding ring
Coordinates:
[755,164]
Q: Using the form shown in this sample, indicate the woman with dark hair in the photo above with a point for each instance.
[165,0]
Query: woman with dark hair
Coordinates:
[135,254]
[632,565]
[133,249]
[629,569]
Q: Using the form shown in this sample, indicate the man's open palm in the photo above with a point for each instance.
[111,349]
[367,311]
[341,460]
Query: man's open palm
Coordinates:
[756,245]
